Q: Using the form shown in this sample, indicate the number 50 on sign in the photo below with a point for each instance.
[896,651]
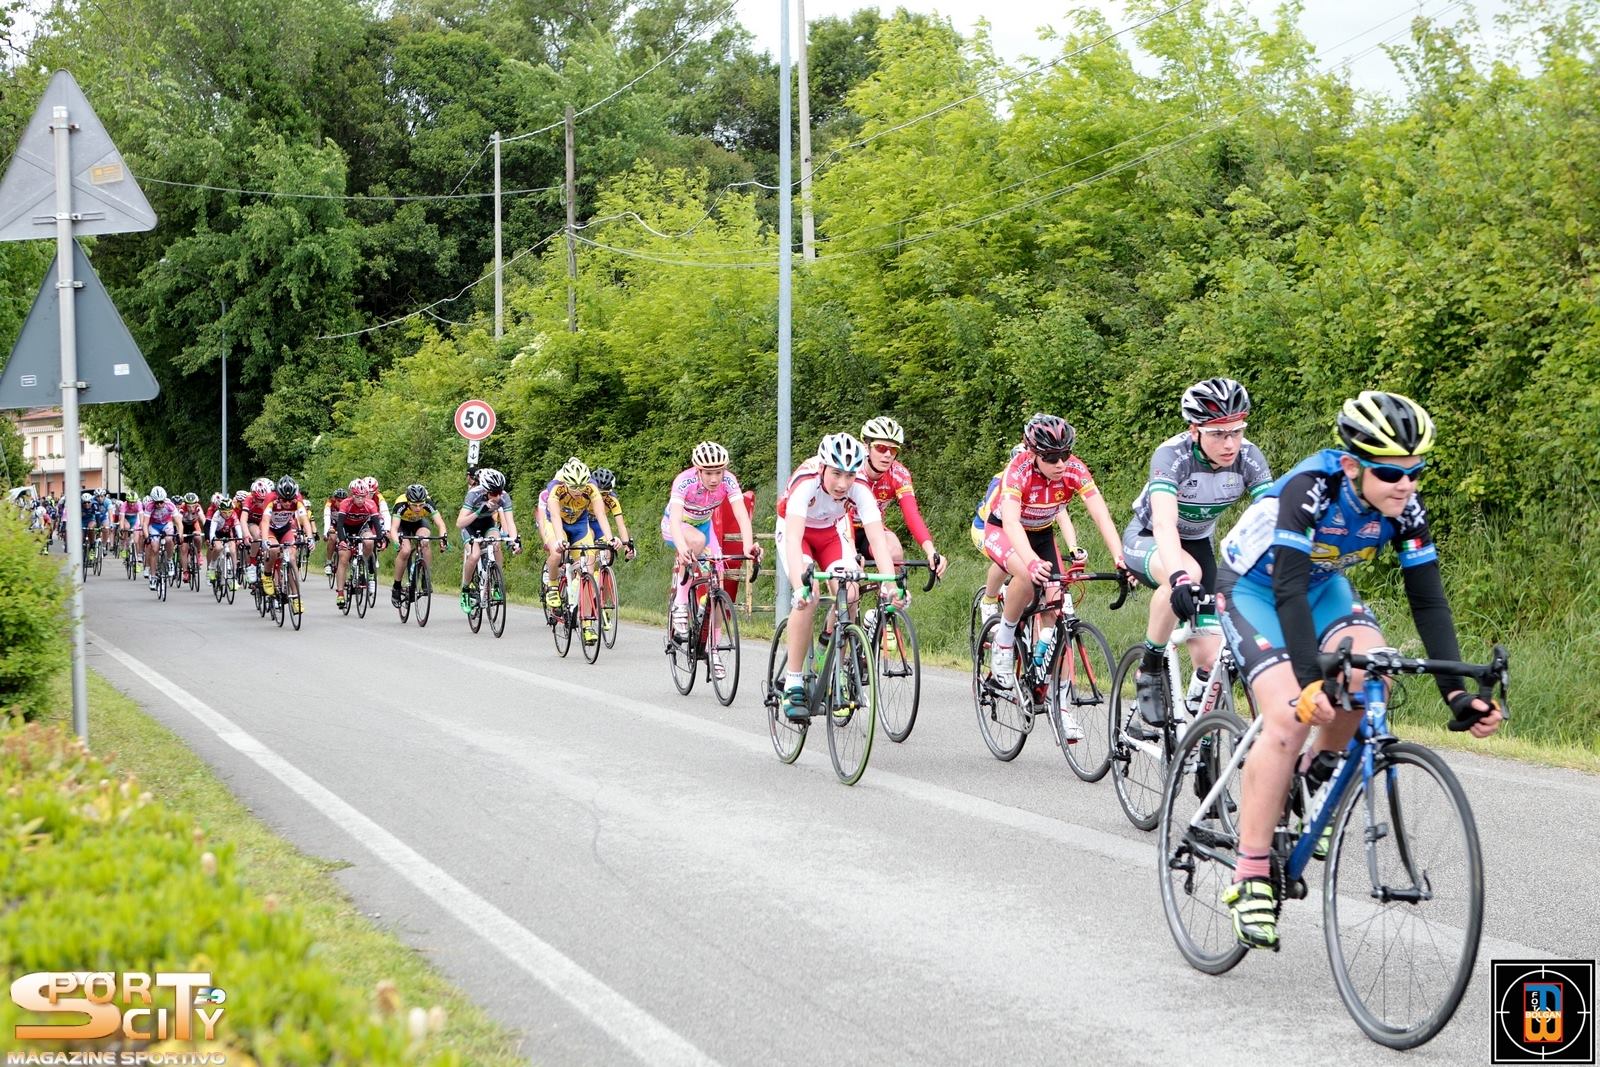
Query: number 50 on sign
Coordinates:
[474,420]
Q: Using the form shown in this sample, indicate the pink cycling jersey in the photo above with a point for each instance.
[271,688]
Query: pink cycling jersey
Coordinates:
[699,502]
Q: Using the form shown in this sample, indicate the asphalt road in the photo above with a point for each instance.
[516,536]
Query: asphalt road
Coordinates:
[623,874]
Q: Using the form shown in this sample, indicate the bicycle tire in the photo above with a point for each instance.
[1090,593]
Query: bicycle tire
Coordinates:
[1403,850]
[494,593]
[852,706]
[296,603]
[303,556]
[975,622]
[406,591]
[610,606]
[899,675]
[422,594]
[217,584]
[722,637]
[788,735]
[1138,768]
[333,575]
[1197,918]
[360,592]
[1001,720]
[370,573]
[589,589]
[161,573]
[231,584]
[682,661]
[1082,684]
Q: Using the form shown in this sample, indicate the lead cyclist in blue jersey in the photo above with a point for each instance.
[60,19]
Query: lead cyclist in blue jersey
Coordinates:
[1287,597]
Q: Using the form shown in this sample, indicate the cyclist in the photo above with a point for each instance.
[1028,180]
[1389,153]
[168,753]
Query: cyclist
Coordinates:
[255,502]
[568,506]
[697,493]
[890,483]
[1287,597]
[194,517]
[131,509]
[356,521]
[995,576]
[330,509]
[1194,478]
[483,513]
[86,521]
[606,481]
[812,527]
[1034,488]
[411,509]
[283,522]
[160,522]
[215,525]
[102,520]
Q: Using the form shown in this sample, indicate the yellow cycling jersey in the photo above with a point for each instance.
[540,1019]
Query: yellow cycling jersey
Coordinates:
[404,510]
[612,504]
[573,506]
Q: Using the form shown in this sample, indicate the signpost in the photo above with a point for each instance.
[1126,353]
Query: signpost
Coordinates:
[66,173]
[474,421]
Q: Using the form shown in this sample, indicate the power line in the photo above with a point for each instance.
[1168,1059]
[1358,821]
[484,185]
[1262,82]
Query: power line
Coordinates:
[766,264]
[618,92]
[427,309]
[473,166]
[351,196]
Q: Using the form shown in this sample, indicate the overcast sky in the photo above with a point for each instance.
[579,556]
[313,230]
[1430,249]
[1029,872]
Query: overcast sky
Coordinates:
[1328,24]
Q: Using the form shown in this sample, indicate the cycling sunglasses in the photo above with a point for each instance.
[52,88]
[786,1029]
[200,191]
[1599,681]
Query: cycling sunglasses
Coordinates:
[1388,472]
[1052,457]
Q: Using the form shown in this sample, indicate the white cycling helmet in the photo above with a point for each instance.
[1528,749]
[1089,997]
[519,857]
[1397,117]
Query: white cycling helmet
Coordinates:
[843,452]
[709,454]
[217,500]
[574,473]
[157,494]
[883,428]
[358,485]
[491,480]
[87,498]
[261,486]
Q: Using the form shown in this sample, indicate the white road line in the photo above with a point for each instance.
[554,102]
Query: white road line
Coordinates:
[1074,835]
[641,1033]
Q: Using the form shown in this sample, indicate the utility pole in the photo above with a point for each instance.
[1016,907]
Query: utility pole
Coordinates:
[785,255]
[224,397]
[572,231]
[808,228]
[499,290]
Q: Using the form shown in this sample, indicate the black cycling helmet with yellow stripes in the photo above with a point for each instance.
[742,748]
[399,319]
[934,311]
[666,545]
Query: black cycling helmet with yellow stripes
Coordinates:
[1377,424]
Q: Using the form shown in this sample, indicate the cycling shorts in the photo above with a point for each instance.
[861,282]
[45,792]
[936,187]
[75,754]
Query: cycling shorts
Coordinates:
[1139,552]
[997,546]
[713,546]
[821,545]
[1256,636]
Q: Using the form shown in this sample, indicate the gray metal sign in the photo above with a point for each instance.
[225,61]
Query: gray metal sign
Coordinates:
[105,198]
[110,364]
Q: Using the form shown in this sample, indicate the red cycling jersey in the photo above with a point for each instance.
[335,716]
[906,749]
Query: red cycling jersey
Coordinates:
[354,512]
[255,503]
[1042,498]
[281,512]
[894,486]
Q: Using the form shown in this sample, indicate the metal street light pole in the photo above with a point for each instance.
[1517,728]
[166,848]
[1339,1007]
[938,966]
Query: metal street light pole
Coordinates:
[785,306]
[224,395]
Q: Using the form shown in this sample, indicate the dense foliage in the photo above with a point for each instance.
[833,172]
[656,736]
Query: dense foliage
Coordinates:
[1086,240]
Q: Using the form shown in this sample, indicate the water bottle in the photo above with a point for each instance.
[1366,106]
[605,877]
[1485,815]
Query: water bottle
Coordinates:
[1041,648]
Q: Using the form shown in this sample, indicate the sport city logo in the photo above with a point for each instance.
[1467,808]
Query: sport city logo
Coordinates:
[1543,1011]
[119,1004]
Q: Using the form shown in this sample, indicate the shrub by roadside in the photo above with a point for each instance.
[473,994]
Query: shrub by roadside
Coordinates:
[33,617]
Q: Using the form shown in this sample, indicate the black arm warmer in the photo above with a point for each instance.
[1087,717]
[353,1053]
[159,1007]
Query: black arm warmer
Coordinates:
[1291,582]
[1435,624]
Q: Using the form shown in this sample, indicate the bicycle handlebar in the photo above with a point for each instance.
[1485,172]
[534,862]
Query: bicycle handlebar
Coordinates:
[1388,661]
[755,565]
[927,565]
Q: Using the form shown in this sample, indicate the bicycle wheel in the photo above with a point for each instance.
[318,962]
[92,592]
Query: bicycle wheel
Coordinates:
[161,574]
[975,621]
[97,564]
[295,607]
[362,585]
[722,645]
[231,583]
[422,593]
[279,600]
[219,583]
[899,674]
[475,609]
[1001,718]
[589,621]
[1196,857]
[128,563]
[494,591]
[610,607]
[852,705]
[788,735]
[370,575]
[1138,768]
[407,588]
[681,658]
[303,554]
[1403,948]
[349,592]
[328,554]
[1081,689]
[194,573]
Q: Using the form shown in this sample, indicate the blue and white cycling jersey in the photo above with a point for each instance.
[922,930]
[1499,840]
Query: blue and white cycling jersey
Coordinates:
[1327,520]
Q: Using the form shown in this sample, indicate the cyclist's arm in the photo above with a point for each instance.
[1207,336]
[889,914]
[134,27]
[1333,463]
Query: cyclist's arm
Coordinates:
[1095,504]
[383,508]
[549,532]
[741,515]
[1068,530]
[465,517]
[507,522]
[327,519]
[1291,574]
[597,508]
[794,533]
[438,522]
[1011,523]
[915,526]
[1164,524]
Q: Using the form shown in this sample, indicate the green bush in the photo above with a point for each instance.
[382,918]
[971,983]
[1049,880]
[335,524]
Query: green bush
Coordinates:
[33,617]
[97,876]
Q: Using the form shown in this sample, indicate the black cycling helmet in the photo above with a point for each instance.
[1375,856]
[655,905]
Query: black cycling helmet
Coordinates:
[1048,433]
[341,493]
[287,486]
[1385,424]
[605,479]
[416,492]
[1215,400]
[491,480]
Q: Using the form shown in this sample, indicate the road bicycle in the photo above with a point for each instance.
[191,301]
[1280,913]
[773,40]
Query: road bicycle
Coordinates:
[416,586]
[225,578]
[1141,754]
[360,577]
[582,612]
[1402,888]
[605,577]
[166,566]
[710,628]
[487,593]
[284,601]
[1066,679]
[839,676]
[893,638]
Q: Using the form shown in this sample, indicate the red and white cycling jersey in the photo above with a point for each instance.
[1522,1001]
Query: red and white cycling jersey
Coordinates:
[1042,498]
[280,513]
[822,510]
[894,486]
[255,504]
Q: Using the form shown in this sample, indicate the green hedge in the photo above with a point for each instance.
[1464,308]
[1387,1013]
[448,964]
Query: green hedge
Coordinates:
[96,876]
[33,617]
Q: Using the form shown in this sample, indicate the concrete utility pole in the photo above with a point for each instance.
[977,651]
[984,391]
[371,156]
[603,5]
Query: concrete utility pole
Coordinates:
[785,301]
[499,286]
[224,401]
[572,232]
[808,228]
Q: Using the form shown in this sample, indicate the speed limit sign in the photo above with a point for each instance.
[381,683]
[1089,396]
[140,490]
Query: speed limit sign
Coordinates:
[474,420]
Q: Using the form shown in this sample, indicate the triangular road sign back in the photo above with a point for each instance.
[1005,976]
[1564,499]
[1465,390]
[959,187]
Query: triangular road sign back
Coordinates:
[108,359]
[104,194]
